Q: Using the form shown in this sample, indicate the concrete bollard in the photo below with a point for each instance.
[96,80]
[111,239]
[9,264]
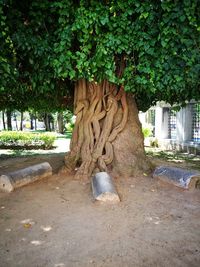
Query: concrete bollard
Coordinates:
[13,180]
[103,188]
[177,176]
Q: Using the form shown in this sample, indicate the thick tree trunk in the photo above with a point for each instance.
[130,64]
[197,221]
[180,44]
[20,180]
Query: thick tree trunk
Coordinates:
[9,120]
[129,155]
[107,134]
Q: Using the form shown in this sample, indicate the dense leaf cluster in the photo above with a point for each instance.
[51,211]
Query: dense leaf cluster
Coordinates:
[152,47]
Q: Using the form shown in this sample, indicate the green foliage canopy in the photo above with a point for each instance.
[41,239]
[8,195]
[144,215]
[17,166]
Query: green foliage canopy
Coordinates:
[46,44]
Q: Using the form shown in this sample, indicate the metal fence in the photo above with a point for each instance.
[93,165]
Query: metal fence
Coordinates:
[172,122]
[196,123]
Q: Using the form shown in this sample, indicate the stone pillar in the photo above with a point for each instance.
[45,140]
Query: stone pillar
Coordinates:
[161,122]
[184,124]
[165,123]
[13,180]
[142,117]
[158,122]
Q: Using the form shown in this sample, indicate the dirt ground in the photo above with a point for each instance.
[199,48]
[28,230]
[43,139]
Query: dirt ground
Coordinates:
[55,222]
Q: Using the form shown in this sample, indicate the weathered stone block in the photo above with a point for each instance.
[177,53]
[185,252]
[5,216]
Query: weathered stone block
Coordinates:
[180,177]
[12,180]
[103,188]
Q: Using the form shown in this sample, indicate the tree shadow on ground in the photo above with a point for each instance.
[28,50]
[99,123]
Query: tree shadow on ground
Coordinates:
[192,161]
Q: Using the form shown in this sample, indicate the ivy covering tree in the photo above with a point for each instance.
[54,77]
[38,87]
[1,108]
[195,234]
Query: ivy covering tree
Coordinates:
[117,56]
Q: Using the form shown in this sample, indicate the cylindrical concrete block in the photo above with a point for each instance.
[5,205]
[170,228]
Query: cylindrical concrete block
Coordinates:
[10,181]
[103,188]
[187,179]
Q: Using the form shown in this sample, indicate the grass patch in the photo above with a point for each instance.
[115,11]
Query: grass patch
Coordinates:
[26,140]
[66,135]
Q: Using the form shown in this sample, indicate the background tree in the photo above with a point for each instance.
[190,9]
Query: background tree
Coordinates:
[117,55]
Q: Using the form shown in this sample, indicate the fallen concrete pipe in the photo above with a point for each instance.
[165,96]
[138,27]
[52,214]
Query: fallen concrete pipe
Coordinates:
[13,180]
[103,188]
[180,177]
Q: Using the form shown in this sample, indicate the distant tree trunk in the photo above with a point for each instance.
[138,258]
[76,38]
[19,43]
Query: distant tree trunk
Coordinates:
[21,121]
[35,119]
[31,119]
[16,121]
[60,122]
[52,124]
[107,135]
[9,120]
[16,125]
[3,119]
[47,122]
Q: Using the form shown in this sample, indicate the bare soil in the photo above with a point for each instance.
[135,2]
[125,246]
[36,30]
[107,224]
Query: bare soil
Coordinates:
[55,222]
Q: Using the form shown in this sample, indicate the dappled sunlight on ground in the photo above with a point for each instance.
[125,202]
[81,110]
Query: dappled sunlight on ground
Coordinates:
[37,242]
[27,221]
[46,228]
[176,158]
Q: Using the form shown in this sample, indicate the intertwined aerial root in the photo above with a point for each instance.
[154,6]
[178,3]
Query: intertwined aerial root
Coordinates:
[101,114]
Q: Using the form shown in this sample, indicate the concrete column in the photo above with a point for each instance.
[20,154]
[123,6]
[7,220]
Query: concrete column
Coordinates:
[165,123]
[142,117]
[13,180]
[103,188]
[158,122]
[184,124]
[161,122]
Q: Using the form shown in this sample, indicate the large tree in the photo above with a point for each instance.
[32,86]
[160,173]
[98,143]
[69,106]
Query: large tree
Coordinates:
[118,55]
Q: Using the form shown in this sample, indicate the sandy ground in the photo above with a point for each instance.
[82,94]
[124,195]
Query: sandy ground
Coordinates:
[55,222]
